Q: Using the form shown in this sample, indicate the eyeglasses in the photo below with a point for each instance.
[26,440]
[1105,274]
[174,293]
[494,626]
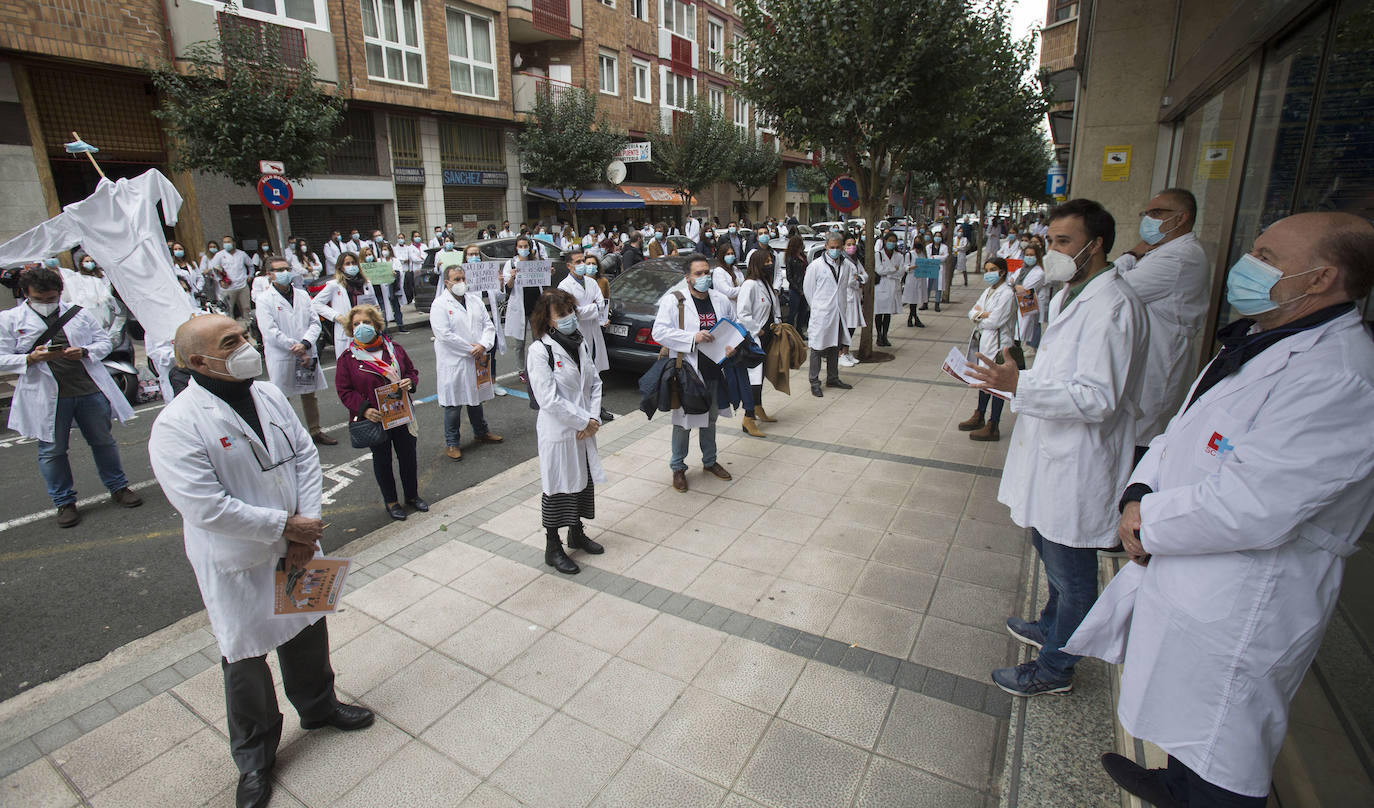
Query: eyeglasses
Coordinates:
[1157,213]
[267,465]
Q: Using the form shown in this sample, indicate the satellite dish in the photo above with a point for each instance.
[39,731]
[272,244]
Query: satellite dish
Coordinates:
[615,172]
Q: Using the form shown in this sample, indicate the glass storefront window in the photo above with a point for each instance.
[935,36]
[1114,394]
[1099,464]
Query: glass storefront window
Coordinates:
[1206,162]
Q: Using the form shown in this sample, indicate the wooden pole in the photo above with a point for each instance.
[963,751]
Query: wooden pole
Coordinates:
[91,157]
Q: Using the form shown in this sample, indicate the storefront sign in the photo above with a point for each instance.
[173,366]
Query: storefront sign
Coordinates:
[408,175]
[1116,164]
[636,153]
[490,179]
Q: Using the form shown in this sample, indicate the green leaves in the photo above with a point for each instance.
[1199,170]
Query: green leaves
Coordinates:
[754,165]
[696,150]
[567,143]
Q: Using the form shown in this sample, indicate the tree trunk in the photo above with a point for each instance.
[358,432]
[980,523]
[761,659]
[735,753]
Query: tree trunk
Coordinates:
[571,205]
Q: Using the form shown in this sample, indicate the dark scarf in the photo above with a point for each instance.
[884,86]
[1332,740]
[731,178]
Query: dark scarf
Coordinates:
[237,394]
[572,343]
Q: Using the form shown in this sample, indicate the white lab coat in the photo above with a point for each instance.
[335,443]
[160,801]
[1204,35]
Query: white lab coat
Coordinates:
[998,329]
[756,307]
[284,324]
[825,295]
[94,295]
[1077,416]
[192,275]
[209,463]
[331,250]
[1248,540]
[692,229]
[887,293]
[569,396]
[309,269]
[516,317]
[853,315]
[332,302]
[1033,281]
[1174,283]
[591,315]
[682,341]
[33,411]
[727,280]
[457,327]
[237,266]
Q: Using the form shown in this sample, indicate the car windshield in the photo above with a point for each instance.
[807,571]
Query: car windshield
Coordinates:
[644,284]
[505,248]
[804,230]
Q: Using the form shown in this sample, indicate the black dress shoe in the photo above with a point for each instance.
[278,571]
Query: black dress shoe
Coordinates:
[255,789]
[839,384]
[556,558]
[578,539]
[925,306]
[607,417]
[418,504]
[816,390]
[346,717]
[1149,785]
[396,512]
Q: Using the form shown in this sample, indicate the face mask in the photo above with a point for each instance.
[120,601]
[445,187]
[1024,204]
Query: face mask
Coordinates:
[386,254]
[524,252]
[732,230]
[448,245]
[1150,231]
[212,249]
[589,269]
[363,333]
[459,288]
[472,259]
[243,364]
[353,236]
[566,324]
[763,240]
[709,234]
[891,245]
[50,263]
[1031,260]
[229,246]
[730,259]
[283,278]
[990,278]
[44,309]
[377,237]
[659,235]
[850,249]
[834,253]
[1249,283]
[179,253]
[89,266]
[938,239]
[416,240]
[702,284]
[351,270]
[1059,267]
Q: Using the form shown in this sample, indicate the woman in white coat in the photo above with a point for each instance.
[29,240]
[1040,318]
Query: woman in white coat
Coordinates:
[994,323]
[304,263]
[463,338]
[914,290]
[757,308]
[519,300]
[1027,284]
[890,266]
[290,330]
[591,307]
[565,384]
[853,312]
[347,289]
[938,249]
[727,273]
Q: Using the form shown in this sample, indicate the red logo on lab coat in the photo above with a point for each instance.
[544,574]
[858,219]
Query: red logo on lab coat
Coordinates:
[225,442]
[1218,445]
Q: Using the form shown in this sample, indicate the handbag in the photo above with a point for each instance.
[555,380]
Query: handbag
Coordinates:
[365,434]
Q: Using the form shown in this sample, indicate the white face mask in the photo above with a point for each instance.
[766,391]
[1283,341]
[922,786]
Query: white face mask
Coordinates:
[1059,267]
[45,309]
[243,364]
[459,288]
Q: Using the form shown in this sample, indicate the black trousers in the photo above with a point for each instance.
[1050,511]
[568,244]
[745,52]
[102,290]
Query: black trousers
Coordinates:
[404,443]
[1191,790]
[254,720]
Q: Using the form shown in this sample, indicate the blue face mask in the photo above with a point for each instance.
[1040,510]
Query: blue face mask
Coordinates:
[212,249]
[1249,282]
[448,246]
[283,278]
[990,278]
[567,324]
[891,245]
[730,259]
[763,240]
[835,253]
[589,269]
[524,252]
[178,253]
[938,239]
[50,263]
[702,284]
[472,259]
[364,333]
[1150,231]
[1031,260]
[732,230]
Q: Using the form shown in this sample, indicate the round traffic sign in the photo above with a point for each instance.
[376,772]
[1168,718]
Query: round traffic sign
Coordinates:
[844,194]
[275,192]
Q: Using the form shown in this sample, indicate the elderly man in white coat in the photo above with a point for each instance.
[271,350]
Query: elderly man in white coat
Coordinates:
[1240,517]
[686,315]
[56,349]
[890,266]
[235,461]
[464,336]
[824,286]
[1071,449]
[290,330]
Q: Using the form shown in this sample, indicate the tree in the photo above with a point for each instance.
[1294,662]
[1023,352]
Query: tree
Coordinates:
[694,151]
[239,102]
[755,165]
[862,80]
[567,144]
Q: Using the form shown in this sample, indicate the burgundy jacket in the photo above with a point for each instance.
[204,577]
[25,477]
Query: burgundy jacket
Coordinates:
[355,382]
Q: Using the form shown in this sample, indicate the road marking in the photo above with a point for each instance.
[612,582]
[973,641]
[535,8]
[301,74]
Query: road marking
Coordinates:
[342,476]
[95,544]
[80,503]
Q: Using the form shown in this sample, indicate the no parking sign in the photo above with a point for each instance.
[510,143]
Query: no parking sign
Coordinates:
[844,194]
[275,192]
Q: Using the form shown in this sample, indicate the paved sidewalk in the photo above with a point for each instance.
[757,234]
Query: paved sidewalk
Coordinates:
[817,632]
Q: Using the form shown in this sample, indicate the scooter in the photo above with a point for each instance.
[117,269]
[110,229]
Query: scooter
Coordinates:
[120,362]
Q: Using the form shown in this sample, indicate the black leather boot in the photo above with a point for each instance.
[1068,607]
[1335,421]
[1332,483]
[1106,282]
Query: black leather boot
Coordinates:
[578,540]
[554,555]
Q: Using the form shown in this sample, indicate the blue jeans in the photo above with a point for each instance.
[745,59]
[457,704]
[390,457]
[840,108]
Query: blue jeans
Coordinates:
[92,415]
[453,423]
[706,436]
[1072,576]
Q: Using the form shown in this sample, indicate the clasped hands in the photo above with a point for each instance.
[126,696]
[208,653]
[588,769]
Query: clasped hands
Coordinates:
[302,534]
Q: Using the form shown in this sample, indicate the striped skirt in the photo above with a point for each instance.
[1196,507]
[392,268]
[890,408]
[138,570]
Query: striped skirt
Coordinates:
[567,510]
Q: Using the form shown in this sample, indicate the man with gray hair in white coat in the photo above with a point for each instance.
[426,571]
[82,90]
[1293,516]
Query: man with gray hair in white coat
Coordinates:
[1240,518]
[238,465]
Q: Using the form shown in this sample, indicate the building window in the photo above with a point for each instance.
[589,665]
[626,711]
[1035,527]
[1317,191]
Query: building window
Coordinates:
[741,113]
[608,66]
[1064,9]
[359,154]
[716,97]
[643,83]
[639,9]
[391,40]
[405,141]
[715,44]
[463,146]
[677,90]
[738,50]
[294,13]
[471,54]
[680,18]
[608,3]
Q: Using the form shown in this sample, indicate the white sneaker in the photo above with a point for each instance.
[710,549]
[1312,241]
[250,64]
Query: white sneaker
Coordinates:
[848,360]
[499,390]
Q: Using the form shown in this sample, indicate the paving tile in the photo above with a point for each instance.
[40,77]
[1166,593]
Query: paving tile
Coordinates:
[707,735]
[752,674]
[553,668]
[824,568]
[645,780]
[345,625]
[495,579]
[391,593]
[911,675]
[729,586]
[326,764]
[486,796]
[731,514]
[883,668]
[939,685]
[944,739]
[779,523]
[996,537]
[416,775]
[889,784]
[486,727]
[669,568]
[492,640]
[564,763]
[794,766]
[204,693]
[438,615]
[513,523]
[624,700]
[876,626]
[799,605]
[622,552]
[673,646]
[911,553]
[16,756]
[921,524]
[863,513]
[189,773]
[702,538]
[135,694]
[777,472]
[759,552]
[846,537]
[448,561]
[650,525]
[423,691]
[995,570]
[960,649]
[115,749]
[37,785]
[818,478]
[839,704]
[756,492]
[373,658]
[547,600]
[895,586]
[98,713]
[811,502]
[886,492]
[971,604]
[606,622]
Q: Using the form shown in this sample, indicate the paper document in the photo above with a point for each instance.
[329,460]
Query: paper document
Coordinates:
[312,589]
[956,366]
[394,404]
[728,334]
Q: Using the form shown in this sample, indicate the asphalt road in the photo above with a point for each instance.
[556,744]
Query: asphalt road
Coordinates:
[72,596]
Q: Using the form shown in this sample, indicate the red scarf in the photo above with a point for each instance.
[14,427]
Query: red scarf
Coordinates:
[387,370]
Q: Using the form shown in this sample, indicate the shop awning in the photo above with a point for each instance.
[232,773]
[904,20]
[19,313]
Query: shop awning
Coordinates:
[656,194]
[592,199]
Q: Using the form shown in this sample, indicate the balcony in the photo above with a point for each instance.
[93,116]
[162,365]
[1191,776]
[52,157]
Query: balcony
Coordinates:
[528,86]
[544,20]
